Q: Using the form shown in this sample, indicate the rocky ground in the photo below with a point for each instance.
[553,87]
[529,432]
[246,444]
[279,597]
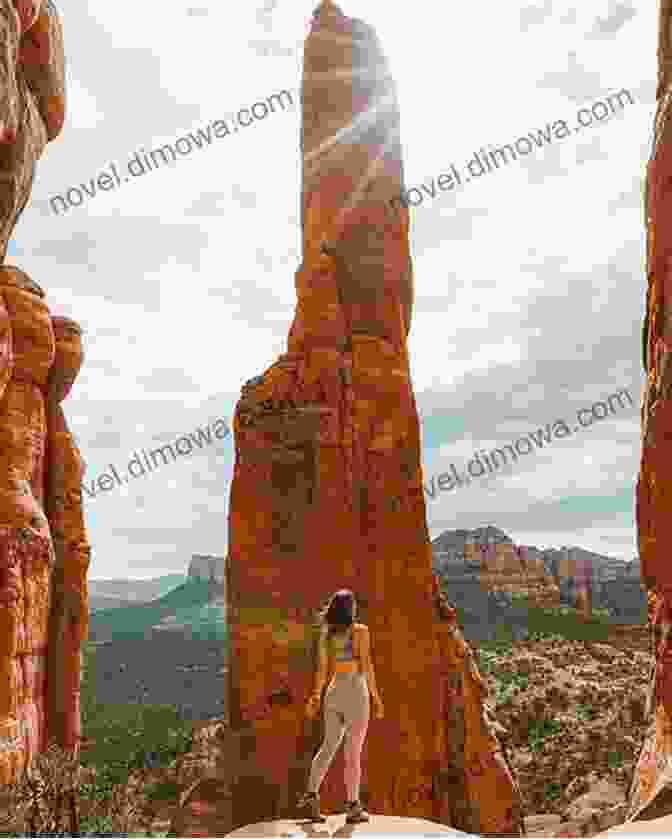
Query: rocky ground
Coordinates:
[574,715]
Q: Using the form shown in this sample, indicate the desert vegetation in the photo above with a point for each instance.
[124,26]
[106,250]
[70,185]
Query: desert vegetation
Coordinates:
[574,714]
[564,732]
[124,746]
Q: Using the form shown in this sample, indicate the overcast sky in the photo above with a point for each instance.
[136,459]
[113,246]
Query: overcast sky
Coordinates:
[530,280]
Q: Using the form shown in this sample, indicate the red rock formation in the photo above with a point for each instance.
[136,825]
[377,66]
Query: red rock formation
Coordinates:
[37,361]
[579,569]
[69,613]
[476,784]
[26,549]
[507,567]
[327,487]
[651,790]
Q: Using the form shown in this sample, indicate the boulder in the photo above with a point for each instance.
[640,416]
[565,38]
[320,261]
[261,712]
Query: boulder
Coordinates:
[336,826]
[652,827]
[600,797]
[542,825]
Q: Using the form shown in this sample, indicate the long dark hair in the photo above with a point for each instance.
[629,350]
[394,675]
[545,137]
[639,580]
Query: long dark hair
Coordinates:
[339,613]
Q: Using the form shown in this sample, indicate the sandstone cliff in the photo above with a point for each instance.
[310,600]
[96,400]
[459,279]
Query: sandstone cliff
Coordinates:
[475,564]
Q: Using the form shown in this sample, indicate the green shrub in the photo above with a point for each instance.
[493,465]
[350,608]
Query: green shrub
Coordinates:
[501,646]
[541,730]
[505,682]
[615,759]
[124,735]
[163,791]
[565,625]
[552,791]
[585,712]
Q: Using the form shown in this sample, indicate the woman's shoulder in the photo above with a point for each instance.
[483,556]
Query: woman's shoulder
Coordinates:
[360,627]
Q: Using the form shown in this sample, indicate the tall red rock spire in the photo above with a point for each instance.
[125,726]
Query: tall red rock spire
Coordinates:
[327,486]
[651,786]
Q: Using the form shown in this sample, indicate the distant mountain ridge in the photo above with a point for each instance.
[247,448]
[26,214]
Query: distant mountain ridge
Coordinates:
[195,604]
[616,585]
[111,594]
[114,593]
[452,542]
[196,609]
[455,540]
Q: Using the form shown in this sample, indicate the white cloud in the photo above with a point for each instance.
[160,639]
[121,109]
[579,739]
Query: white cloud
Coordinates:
[529,281]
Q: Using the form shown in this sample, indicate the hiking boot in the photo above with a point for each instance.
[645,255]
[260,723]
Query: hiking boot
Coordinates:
[356,813]
[310,801]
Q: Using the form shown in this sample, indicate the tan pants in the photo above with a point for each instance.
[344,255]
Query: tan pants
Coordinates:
[346,713]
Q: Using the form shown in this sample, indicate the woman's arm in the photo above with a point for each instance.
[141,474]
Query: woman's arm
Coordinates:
[367,664]
[322,667]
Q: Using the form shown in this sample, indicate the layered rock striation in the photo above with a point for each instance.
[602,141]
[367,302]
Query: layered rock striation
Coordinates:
[44,552]
[327,487]
[514,570]
[492,580]
[483,571]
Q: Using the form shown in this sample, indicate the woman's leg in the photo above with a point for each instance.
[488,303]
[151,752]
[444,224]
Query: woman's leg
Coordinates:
[357,723]
[334,726]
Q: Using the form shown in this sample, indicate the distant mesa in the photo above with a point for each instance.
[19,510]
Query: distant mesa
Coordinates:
[455,540]
[206,567]
[482,571]
[196,608]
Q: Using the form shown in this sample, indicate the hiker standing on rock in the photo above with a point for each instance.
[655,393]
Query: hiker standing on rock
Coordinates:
[344,651]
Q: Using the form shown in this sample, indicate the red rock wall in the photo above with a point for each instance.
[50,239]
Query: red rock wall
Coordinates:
[327,487]
[651,789]
[40,530]
[507,567]
[26,547]
[69,611]
[476,786]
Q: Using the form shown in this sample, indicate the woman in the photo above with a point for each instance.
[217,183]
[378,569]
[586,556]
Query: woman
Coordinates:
[345,650]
